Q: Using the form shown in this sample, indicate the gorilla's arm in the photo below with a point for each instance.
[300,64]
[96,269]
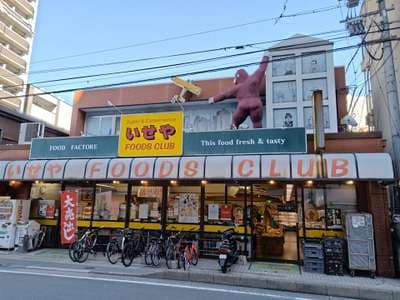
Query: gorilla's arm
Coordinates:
[258,75]
[231,93]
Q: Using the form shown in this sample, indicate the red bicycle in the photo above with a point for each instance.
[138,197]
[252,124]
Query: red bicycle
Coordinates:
[189,254]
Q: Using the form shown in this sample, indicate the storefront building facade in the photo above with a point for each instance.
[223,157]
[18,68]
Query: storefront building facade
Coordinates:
[275,193]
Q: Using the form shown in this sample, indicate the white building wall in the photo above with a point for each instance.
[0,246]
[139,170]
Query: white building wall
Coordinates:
[302,82]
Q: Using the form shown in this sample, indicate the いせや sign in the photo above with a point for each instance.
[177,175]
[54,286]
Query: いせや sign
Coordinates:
[159,134]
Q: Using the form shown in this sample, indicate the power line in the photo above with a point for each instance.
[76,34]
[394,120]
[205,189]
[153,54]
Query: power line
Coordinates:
[380,86]
[190,73]
[300,13]
[164,66]
[241,46]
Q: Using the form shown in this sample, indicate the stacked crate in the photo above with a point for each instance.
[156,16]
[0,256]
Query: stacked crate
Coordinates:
[313,256]
[334,256]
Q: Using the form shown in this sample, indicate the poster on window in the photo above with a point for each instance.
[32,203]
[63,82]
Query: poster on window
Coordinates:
[150,192]
[69,203]
[226,212]
[213,212]
[46,208]
[103,206]
[188,208]
[143,211]
[285,118]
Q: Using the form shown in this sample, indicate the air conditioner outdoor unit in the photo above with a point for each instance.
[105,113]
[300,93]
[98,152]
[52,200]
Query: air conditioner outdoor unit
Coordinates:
[29,131]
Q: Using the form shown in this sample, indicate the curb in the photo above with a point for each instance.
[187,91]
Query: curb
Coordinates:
[284,284]
[262,281]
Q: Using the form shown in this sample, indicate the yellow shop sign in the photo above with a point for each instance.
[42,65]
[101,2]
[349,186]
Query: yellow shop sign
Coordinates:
[156,134]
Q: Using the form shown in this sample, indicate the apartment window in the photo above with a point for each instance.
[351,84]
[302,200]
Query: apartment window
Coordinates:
[284,91]
[285,118]
[310,85]
[308,117]
[283,66]
[313,63]
[102,125]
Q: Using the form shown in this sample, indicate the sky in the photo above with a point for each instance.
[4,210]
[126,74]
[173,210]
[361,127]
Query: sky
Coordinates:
[76,27]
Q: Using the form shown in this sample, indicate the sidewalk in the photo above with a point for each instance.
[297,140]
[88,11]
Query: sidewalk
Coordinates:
[258,275]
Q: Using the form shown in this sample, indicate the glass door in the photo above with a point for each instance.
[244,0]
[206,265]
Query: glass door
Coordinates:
[274,218]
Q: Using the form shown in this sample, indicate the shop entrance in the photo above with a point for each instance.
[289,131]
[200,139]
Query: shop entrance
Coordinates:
[275,218]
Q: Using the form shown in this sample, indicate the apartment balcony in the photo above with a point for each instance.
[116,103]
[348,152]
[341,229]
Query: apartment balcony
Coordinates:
[13,38]
[13,103]
[14,18]
[12,58]
[24,6]
[8,78]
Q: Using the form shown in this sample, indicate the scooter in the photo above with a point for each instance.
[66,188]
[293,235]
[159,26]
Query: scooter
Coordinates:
[228,251]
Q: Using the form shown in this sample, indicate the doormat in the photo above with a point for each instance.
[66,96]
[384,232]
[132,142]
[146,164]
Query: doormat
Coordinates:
[274,268]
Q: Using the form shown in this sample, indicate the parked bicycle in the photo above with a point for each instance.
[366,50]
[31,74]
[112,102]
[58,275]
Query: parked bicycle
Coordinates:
[34,241]
[173,244]
[132,247]
[189,254]
[80,249]
[116,244]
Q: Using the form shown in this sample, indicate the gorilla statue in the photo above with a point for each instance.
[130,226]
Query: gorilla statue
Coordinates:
[247,91]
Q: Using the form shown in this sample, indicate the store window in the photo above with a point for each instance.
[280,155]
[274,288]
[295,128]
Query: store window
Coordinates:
[110,202]
[102,125]
[45,200]
[146,204]
[313,62]
[184,204]
[85,200]
[314,208]
[214,198]
[233,211]
[340,200]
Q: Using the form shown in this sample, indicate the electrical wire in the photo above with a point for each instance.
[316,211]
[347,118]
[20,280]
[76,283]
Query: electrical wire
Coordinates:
[241,46]
[189,73]
[282,13]
[160,66]
[300,13]
[385,100]
[155,67]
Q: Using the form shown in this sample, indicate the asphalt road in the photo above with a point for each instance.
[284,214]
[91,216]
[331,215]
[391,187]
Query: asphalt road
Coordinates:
[68,284]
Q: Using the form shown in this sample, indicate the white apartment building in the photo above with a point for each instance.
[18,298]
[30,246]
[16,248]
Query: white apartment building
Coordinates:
[306,65]
[17,28]
[17,25]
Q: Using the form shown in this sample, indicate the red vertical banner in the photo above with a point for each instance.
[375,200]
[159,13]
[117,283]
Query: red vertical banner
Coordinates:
[69,205]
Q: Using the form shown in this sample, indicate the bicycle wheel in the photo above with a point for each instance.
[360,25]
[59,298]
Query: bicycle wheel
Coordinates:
[170,257]
[71,250]
[40,240]
[185,261]
[195,256]
[147,254]
[112,251]
[81,253]
[156,255]
[128,254]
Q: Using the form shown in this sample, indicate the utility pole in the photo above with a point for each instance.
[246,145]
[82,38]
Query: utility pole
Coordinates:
[391,86]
